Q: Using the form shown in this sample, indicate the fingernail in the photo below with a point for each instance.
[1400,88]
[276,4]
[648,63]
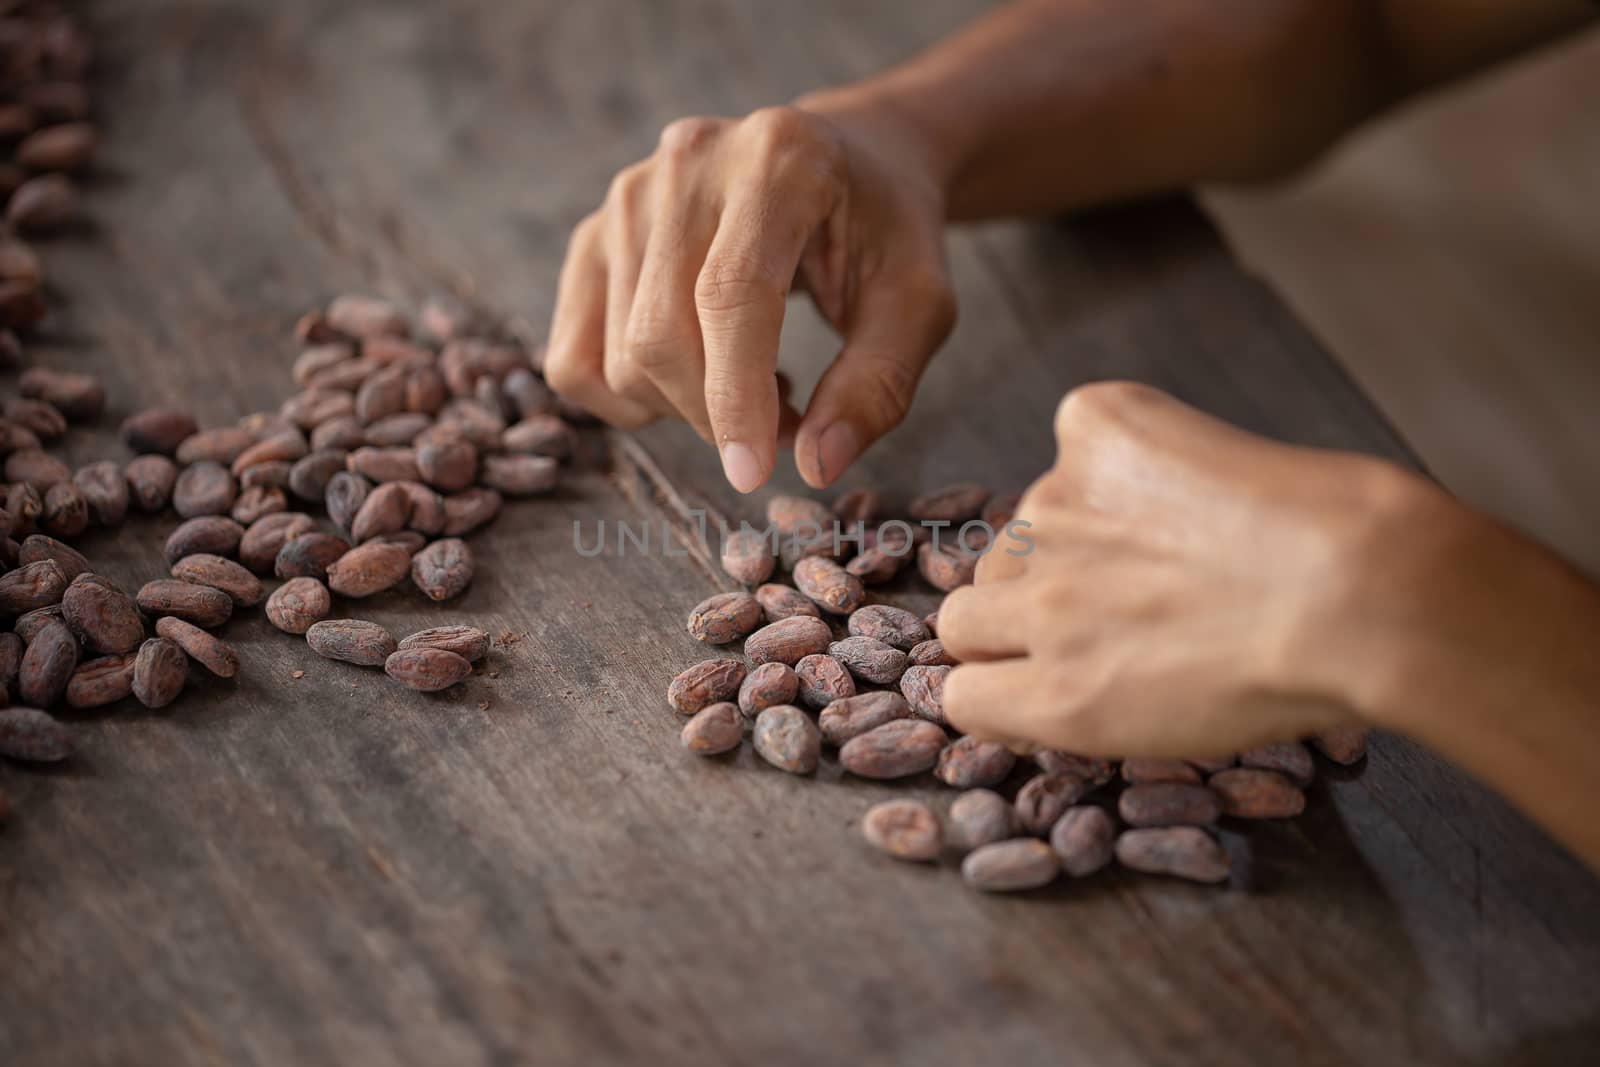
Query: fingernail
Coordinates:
[739,463]
[836,450]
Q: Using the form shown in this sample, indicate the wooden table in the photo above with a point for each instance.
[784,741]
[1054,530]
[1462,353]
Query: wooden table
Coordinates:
[330,870]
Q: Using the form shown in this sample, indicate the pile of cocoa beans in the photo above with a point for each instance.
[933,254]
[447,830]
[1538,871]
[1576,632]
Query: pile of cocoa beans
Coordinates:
[825,669]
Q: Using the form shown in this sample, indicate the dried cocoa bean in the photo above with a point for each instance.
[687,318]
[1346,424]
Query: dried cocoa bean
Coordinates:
[870,660]
[1289,758]
[159,672]
[895,627]
[221,446]
[318,358]
[748,557]
[80,397]
[1010,866]
[368,569]
[261,543]
[857,506]
[151,480]
[66,512]
[980,817]
[309,476]
[443,569]
[541,435]
[33,736]
[204,488]
[41,205]
[298,603]
[102,681]
[354,315]
[258,502]
[213,654]
[779,602]
[346,493]
[520,475]
[528,394]
[468,642]
[971,763]
[1043,798]
[1344,745]
[24,505]
[714,729]
[344,434]
[102,616]
[366,644]
[1253,793]
[787,640]
[286,446]
[1168,804]
[30,586]
[904,829]
[786,737]
[945,568]
[428,514]
[159,430]
[28,626]
[426,392]
[14,437]
[64,147]
[1094,771]
[386,510]
[931,653]
[382,394]
[310,555]
[409,540]
[766,686]
[707,682]
[828,585]
[1083,839]
[953,504]
[1151,771]
[792,515]
[199,604]
[37,468]
[823,680]
[11,648]
[385,464]
[724,618]
[894,750]
[47,666]
[217,535]
[1213,764]
[38,547]
[38,416]
[105,491]
[203,568]
[923,688]
[1180,851]
[850,717]
[427,670]
[449,466]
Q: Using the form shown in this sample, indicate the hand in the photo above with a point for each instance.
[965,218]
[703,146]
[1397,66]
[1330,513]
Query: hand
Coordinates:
[1192,589]
[672,294]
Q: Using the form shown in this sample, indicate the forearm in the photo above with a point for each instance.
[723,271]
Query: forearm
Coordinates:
[1046,105]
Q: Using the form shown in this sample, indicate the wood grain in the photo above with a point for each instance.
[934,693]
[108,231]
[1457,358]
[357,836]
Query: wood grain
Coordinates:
[329,870]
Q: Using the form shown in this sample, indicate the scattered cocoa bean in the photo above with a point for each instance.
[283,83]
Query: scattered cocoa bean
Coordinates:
[894,750]
[1094,771]
[258,502]
[904,829]
[724,618]
[448,466]
[828,585]
[443,569]
[823,680]
[1213,764]
[470,509]
[102,616]
[1289,758]
[980,817]
[748,557]
[204,488]
[385,464]
[923,688]
[707,682]
[354,315]
[1150,771]
[870,660]
[159,430]
[296,604]
[366,644]
[151,480]
[953,504]
[1082,840]
[1169,804]
[259,546]
[427,670]
[850,717]
[42,204]
[30,586]
[1043,798]
[343,434]
[428,514]
[346,493]
[310,475]
[368,569]
[1010,866]
[786,737]
[541,435]
[98,682]
[931,653]
[47,666]
[63,147]
[199,604]
[28,625]
[779,602]
[1252,793]
[1181,851]
[203,568]
[309,555]
[972,763]
[40,417]
[386,510]
[37,468]
[945,568]
[468,642]
[66,511]
[714,729]
[893,626]
[767,685]
[33,736]
[38,547]
[520,475]
[876,565]
[104,490]
[383,393]
[222,445]
[786,641]
[212,653]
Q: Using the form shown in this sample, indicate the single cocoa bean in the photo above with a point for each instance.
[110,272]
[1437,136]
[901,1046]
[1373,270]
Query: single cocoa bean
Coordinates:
[64,147]
[1094,771]
[310,474]
[893,626]
[1010,866]
[541,435]
[1043,798]
[788,640]
[786,737]
[724,618]
[797,515]
[450,466]
[779,602]
[766,686]
[823,680]
[13,436]
[366,644]
[409,540]
[38,416]
[159,672]
[385,464]
[714,729]
[1253,793]
[105,491]
[347,492]
[38,547]
[468,642]
[24,505]
[66,511]
[354,315]
[828,585]
[1082,840]
[1344,745]
[427,670]
[443,569]
[47,666]
[42,205]
[896,749]
[30,586]
[151,480]
[923,688]
[261,543]
[203,568]
[368,569]
[343,434]
[217,535]
[298,603]
[971,763]
[159,430]
[199,604]
[748,557]
[28,626]
[980,817]
[102,616]
[37,468]
[318,358]
[204,488]
[309,555]
[426,391]
[1289,758]
[953,504]
[386,510]
[876,565]
[850,717]
[904,829]
[707,682]
[945,568]
[1168,804]
[1152,771]
[258,502]
[931,653]
[870,660]
[286,446]
[520,475]
[528,394]
[33,736]
[213,654]
[1180,851]
[102,681]
[428,514]
[222,445]
[382,394]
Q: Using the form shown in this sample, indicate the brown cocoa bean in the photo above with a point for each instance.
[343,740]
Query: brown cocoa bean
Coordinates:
[298,603]
[748,557]
[159,672]
[105,491]
[409,540]
[1043,798]
[309,555]
[1152,771]
[476,422]
[24,505]
[1010,866]
[28,625]
[33,736]
[426,391]
[310,474]
[346,493]
[953,504]
[217,535]
[47,666]
[30,586]
[931,653]
[14,437]
[386,510]
[971,763]
[1168,804]
[895,627]
[786,737]
[355,315]
[1289,758]
[1082,840]
[945,568]
[38,547]
[541,435]
[828,585]
[894,750]
[80,397]
[449,466]
[923,688]
[11,648]
[1180,851]
[286,446]
[41,205]
[428,514]
[274,475]
[427,670]
[366,644]
[346,376]
[904,829]
[876,565]
[1343,745]
[203,568]
[1253,793]
[443,569]
[823,680]
[37,468]
[1213,764]
[66,512]
[385,464]
[870,660]
[779,602]
[151,480]
[222,445]
[766,686]
[707,682]
[368,569]
[713,730]
[382,394]
[261,543]
[724,618]
[343,434]
[102,616]
[520,475]
[199,604]
[102,681]
[204,488]
[258,502]
[63,147]
[40,417]
[980,817]
[788,640]
[1094,771]
[528,394]
[22,305]
[792,515]
[468,642]
[857,506]
[159,430]
[849,718]
[212,653]
[318,358]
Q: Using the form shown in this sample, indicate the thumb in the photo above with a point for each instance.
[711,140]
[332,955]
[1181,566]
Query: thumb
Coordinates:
[895,328]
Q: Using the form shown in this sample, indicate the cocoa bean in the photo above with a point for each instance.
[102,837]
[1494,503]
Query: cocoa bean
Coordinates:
[258,502]
[786,737]
[1289,758]
[541,435]
[767,685]
[14,437]
[1095,772]
[382,394]
[1010,866]
[317,358]
[38,547]
[714,729]
[309,476]
[41,205]
[368,569]
[520,475]
[1168,804]
[954,504]
[779,602]
[366,644]
[346,493]
[823,680]
[66,512]
[1213,764]
[80,397]
[971,763]
[1151,771]
[1043,798]
[203,568]
[786,641]
[443,569]
[159,672]
[390,351]
[426,391]
[386,510]
[894,750]
[298,603]
[204,488]
[64,147]
[385,464]
[528,394]
[895,627]
[724,618]
[217,535]
[428,514]
[1252,793]
[1180,851]
[30,586]
[931,653]
[354,315]
[1344,745]
[22,305]
[450,466]
[828,585]
[33,736]
[261,543]
[11,648]
[875,565]
[28,626]
[309,555]
[923,688]
[102,681]
[222,445]
[286,446]
[904,829]
[409,540]
[707,682]
[24,505]
[37,468]
[151,480]
[792,515]
[56,101]
[40,417]
[199,604]
[980,817]
[159,430]
[857,506]
[102,616]
[427,670]
[468,642]
[870,660]
[945,568]
[213,654]
[47,666]
[105,491]
[850,717]
[343,434]
[1082,840]
[748,557]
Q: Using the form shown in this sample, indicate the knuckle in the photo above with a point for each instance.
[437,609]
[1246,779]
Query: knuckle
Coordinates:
[653,344]
[888,386]
[1096,403]
[726,283]
[627,185]
[584,235]
[565,374]
[687,137]
[780,129]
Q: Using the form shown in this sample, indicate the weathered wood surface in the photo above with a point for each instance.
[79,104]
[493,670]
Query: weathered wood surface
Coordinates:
[331,871]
